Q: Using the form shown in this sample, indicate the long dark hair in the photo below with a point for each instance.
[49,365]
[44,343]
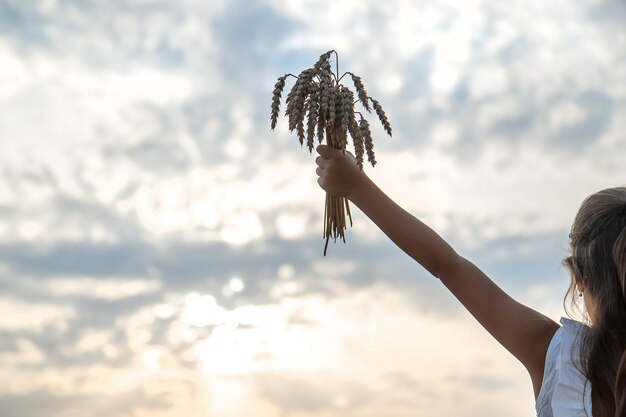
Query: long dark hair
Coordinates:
[598,266]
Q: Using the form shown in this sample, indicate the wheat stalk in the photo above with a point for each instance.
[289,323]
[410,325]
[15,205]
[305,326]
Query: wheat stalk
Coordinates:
[320,102]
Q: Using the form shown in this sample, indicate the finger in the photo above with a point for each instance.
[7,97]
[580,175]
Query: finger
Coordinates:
[319,171]
[319,182]
[321,161]
[326,151]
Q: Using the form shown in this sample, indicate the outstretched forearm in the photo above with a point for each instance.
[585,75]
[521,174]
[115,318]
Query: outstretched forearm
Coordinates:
[415,238]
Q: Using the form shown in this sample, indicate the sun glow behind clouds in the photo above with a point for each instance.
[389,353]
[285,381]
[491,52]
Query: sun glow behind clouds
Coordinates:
[203,310]
[337,340]
[327,341]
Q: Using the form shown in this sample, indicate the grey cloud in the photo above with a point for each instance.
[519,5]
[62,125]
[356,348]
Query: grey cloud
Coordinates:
[609,12]
[33,26]
[401,380]
[598,111]
[205,268]
[43,403]
[147,151]
[248,34]
[76,259]
[487,382]
[481,381]
[513,127]
[509,261]
[26,25]
[47,404]
[8,343]
[295,394]
[514,51]
[404,388]
[188,266]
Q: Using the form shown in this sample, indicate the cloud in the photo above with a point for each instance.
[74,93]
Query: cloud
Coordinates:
[33,316]
[294,394]
[98,288]
[152,228]
[139,401]
[361,344]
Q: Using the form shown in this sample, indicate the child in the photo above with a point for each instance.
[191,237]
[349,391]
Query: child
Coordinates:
[576,370]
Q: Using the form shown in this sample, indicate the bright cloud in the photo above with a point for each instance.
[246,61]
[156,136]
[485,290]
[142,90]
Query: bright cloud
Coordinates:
[159,243]
[21,315]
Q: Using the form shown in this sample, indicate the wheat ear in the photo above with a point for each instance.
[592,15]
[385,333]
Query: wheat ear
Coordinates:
[319,101]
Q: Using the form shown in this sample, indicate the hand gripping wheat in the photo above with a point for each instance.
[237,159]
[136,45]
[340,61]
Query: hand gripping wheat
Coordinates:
[318,99]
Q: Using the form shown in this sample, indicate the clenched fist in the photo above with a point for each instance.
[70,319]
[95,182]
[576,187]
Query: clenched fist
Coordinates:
[338,173]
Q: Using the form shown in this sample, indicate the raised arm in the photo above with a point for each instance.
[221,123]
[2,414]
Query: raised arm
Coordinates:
[523,331]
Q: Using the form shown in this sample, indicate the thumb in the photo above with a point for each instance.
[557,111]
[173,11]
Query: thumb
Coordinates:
[327,151]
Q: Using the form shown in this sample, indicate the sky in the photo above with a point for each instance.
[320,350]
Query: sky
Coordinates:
[161,247]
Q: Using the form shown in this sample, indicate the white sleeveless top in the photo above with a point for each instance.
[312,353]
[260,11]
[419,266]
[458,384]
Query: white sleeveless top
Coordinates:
[565,391]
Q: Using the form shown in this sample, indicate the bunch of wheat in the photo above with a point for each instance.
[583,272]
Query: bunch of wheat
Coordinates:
[318,99]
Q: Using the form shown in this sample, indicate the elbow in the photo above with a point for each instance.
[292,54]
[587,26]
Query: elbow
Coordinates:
[444,269]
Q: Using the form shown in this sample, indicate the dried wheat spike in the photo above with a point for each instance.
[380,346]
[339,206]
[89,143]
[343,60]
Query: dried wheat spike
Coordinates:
[347,113]
[293,116]
[381,116]
[332,104]
[329,135]
[325,87]
[290,96]
[339,133]
[297,97]
[295,108]
[311,121]
[278,90]
[291,102]
[321,123]
[364,127]
[300,129]
[357,140]
[360,89]
[324,58]
[307,75]
[326,73]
